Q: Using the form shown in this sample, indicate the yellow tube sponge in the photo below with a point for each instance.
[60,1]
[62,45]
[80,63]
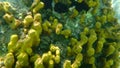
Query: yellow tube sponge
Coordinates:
[79,1]
[38,7]
[57,59]
[18,46]
[86,30]
[100,44]
[45,57]
[57,52]
[6,6]
[66,33]
[103,19]
[77,49]
[91,60]
[82,19]
[9,60]
[110,50]
[75,13]
[73,41]
[27,20]
[51,64]
[110,62]
[35,37]
[67,64]
[35,2]
[27,42]
[37,26]
[50,54]
[46,25]
[39,63]
[34,57]
[58,28]
[90,51]
[99,47]
[98,25]
[84,39]
[38,17]
[14,38]
[18,65]
[53,48]
[8,18]
[79,57]
[92,38]
[29,51]
[15,24]
[106,65]
[110,16]
[23,59]
[69,51]
[75,65]
[12,43]
[77,62]
[54,24]
[91,3]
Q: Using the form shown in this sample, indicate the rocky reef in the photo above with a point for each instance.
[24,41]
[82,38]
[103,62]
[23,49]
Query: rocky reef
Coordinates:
[59,34]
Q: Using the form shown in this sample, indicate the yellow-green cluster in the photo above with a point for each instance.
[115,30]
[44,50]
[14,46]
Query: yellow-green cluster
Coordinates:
[96,45]
[10,19]
[5,7]
[49,59]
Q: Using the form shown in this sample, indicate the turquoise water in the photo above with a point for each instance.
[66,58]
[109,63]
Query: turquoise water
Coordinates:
[116,8]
